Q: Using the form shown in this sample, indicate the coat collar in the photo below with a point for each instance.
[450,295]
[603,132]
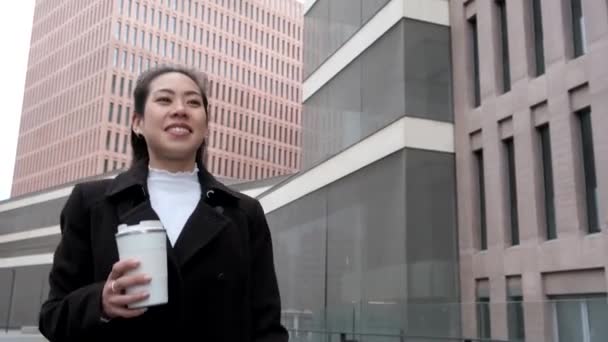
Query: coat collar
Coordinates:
[137,176]
[132,208]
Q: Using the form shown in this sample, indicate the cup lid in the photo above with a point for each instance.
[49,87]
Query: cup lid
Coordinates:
[151,223]
[139,230]
[148,226]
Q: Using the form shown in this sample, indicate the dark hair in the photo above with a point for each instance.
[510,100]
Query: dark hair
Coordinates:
[140,96]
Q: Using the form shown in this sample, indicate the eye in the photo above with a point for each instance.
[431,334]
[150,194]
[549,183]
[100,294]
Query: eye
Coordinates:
[163,99]
[194,102]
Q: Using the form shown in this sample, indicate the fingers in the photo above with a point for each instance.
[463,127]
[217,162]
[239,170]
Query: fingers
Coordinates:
[114,301]
[124,312]
[125,282]
[121,267]
[124,300]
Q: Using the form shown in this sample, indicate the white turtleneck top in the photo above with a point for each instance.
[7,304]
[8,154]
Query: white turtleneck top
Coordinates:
[173,196]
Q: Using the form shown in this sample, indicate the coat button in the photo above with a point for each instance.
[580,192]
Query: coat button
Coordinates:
[220,276]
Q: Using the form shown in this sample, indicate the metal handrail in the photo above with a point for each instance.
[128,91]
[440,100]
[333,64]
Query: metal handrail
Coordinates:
[403,337]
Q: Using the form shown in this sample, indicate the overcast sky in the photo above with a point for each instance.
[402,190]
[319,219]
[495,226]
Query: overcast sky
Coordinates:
[15,32]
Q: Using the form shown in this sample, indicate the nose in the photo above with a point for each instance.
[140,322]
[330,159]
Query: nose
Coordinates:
[179,109]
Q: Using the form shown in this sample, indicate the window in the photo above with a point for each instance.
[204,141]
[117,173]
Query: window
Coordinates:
[128,116]
[515,310]
[512,190]
[580,318]
[547,169]
[483,309]
[124,60]
[108,140]
[134,38]
[577,23]
[501,7]
[537,27]
[113,84]
[116,139]
[117,32]
[111,112]
[584,116]
[483,235]
[115,58]
[473,37]
[127,33]
[119,114]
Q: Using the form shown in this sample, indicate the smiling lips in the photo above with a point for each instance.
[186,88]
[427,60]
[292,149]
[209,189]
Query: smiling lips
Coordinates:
[179,129]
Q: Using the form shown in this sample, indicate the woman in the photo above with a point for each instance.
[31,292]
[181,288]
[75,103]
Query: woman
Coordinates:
[222,282]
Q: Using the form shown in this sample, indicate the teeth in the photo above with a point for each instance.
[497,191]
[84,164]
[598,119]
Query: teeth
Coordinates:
[179,130]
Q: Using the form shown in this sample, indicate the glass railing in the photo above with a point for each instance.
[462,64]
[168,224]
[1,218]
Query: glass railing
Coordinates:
[580,318]
[337,336]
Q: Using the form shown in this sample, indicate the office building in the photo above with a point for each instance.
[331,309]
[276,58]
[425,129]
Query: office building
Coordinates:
[531,114]
[85,58]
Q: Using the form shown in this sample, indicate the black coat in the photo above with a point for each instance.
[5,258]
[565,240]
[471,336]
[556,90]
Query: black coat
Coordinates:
[222,282]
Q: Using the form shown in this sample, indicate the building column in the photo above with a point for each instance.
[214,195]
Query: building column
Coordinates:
[537,311]
[566,161]
[598,87]
[498,307]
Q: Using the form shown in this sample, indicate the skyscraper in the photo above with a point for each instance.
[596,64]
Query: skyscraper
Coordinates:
[85,58]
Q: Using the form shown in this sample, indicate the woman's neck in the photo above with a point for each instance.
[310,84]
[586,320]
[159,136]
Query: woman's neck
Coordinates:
[173,165]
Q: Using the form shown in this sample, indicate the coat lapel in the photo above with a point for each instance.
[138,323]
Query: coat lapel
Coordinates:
[206,221]
[129,192]
[200,229]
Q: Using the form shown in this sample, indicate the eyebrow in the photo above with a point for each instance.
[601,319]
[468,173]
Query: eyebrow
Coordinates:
[170,91]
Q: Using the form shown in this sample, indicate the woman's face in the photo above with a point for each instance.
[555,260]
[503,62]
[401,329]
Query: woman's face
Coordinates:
[175,121]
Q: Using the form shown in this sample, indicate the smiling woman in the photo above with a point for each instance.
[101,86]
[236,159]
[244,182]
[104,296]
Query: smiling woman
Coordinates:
[171,120]
[221,282]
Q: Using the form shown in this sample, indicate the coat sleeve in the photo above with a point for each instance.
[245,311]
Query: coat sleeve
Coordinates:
[266,302]
[73,307]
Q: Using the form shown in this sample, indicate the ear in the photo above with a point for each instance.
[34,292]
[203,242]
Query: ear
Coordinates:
[136,124]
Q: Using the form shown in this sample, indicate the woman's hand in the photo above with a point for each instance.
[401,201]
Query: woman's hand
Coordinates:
[113,298]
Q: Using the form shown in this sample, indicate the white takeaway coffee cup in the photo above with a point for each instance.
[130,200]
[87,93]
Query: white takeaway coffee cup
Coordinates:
[147,243]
